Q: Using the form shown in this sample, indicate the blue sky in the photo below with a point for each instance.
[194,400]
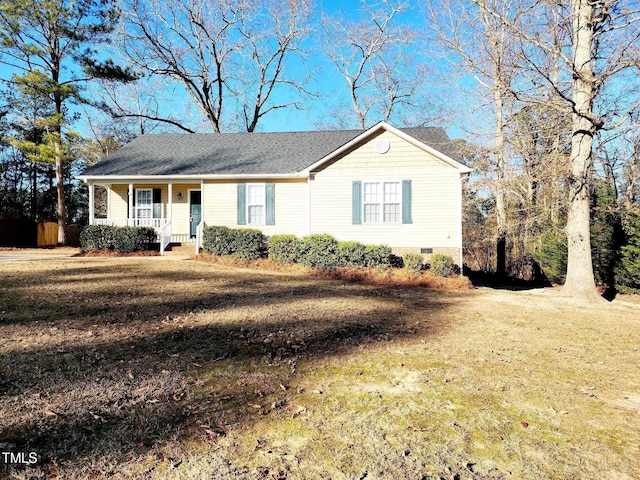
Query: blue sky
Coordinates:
[330,87]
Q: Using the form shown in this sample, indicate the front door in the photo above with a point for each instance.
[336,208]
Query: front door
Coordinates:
[195,211]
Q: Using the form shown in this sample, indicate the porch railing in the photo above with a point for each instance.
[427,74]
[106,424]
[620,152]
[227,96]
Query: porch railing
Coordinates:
[130,222]
[164,236]
[199,232]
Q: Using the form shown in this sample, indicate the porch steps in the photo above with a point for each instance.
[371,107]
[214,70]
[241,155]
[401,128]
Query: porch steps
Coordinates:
[180,249]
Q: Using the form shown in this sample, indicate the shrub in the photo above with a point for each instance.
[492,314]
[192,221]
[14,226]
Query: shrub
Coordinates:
[352,254]
[413,262]
[244,243]
[378,256]
[442,265]
[92,237]
[248,244]
[319,251]
[217,240]
[284,248]
[132,239]
[120,239]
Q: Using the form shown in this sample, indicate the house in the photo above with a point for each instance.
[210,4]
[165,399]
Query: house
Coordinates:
[399,187]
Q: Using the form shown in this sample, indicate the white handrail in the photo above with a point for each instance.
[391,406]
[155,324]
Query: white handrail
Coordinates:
[130,222]
[199,232]
[164,236]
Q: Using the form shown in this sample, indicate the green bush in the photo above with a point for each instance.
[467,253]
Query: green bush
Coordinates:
[319,251]
[245,243]
[352,254]
[378,256]
[284,248]
[94,237]
[413,262]
[120,239]
[217,240]
[248,244]
[442,265]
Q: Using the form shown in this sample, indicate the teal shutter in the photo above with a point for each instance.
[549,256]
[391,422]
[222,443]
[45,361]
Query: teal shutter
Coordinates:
[242,193]
[406,201]
[357,203]
[270,204]
[157,203]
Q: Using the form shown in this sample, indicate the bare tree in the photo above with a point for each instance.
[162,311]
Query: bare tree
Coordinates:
[228,54]
[596,74]
[375,57]
[483,46]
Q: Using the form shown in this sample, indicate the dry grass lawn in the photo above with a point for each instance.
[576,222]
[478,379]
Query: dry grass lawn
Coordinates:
[152,368]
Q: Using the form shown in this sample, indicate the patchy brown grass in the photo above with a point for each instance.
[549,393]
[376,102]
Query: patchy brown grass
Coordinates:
[371,276]
[154,368]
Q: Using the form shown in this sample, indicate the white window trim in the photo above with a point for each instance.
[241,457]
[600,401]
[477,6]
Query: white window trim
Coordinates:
[381,203]
[263,204]
[150,207]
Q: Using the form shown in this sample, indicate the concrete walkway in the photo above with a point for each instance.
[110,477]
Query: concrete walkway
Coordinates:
[35,254]
[26,254]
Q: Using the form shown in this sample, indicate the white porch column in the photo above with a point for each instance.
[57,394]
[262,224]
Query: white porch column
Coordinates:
[170,202]
[202,200]
[130,219]
[91,203]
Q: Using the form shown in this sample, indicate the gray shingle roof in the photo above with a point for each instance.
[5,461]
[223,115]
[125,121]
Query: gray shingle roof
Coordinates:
[239,153]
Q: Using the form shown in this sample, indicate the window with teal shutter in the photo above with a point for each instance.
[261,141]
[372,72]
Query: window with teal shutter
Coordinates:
[242,192]
[387,201]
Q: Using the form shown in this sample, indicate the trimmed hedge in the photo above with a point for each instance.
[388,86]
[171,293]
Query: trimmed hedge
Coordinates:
[245,243]
[378,256]
[120,239]
[413,262]
[352,254]
[217,240]
[442,265]
[284,248]
[320,251]
[249,244]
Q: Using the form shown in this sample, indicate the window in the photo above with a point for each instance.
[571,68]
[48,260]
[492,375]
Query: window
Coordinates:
[255,204]
[381,202]
[144,203]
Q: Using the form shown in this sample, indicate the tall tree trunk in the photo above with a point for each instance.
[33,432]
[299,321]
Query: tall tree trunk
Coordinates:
[501,242]
[62,210]
[59,158]
[580,281]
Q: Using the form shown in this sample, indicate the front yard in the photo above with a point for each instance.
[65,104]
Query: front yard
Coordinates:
[156,368]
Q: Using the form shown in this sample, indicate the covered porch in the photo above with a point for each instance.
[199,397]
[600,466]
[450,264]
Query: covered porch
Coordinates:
[173,210]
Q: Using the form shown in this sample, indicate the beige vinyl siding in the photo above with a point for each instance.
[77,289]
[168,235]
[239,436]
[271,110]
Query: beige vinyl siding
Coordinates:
[118,201]
[435,196]
[291,206]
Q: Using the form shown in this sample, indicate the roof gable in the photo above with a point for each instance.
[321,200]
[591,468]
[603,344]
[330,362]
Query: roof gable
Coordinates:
[237,154]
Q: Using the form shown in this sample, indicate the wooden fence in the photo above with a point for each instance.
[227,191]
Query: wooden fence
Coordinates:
[25,233]
[47,234]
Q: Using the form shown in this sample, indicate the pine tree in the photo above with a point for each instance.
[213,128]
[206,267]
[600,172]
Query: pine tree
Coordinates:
[51,47]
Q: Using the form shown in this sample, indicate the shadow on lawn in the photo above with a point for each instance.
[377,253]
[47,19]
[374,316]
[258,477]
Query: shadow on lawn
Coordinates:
[169,373]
